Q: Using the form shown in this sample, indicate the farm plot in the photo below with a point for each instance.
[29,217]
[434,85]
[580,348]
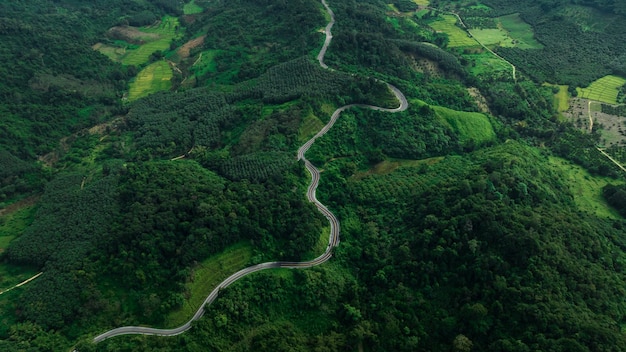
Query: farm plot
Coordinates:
[140,43]
[521,32]
[604,89]
[154,78]
[485,63]
[457,36]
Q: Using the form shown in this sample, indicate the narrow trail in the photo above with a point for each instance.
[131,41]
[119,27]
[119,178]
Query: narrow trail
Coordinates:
[590,118]
[22,283]
[333,239]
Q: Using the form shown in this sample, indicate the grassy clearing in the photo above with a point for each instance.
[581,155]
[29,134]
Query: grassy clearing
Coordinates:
[486,63]
[587,189]
[12,225]
[191,8]
[207,276]
[604,89]
[457,36]
[422,2]
[205,63]
[520,31]
[493,37]
[311,124]
[471,127]
[560,101]
[155,77]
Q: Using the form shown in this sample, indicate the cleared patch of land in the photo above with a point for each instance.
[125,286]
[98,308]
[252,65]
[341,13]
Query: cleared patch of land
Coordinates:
[560,99]
[422,2]
[13,223]
[134,46]
[184,50]
[521,32]
[154,78]
[205,63]
[471,127]
[206,276]
[587,189]
[485,63]
[311,124]
[604,89]
[457,36]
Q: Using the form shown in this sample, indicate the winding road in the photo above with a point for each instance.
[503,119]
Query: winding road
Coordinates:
[333,240]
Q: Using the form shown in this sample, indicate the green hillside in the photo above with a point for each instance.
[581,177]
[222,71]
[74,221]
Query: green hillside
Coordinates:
[149,150]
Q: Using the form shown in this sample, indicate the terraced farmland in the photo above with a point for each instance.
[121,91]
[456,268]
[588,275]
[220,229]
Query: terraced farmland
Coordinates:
[457,36]
[154,78]
[604,89]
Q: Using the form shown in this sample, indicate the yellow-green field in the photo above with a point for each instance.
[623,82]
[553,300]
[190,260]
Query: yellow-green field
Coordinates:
[586,188]
[604,89]
[422,2]
[154,78]
[161,36]
[471,127]
[457,36]
[560,99]
[207,276]
[191,8]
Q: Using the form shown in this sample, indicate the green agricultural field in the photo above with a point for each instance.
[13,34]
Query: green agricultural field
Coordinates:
[207,275]
[191,8]
[154,78]
[586,188]
[471,127]
[512,31]
[158,38]
[457,36]
[492,37]
[520,31]
[311,124]
[422,2]
[604,89]
[486,63]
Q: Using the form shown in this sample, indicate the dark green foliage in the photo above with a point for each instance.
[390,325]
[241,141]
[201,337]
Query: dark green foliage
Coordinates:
[619,110]
[256,167]
[17,176]
[616,196]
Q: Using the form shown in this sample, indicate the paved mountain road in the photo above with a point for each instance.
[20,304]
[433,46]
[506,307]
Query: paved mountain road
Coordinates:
[333,240]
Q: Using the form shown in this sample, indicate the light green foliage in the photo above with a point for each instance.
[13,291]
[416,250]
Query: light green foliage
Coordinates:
[205,63]
[586,188]
[191,8]
[154,78]
[458,37]
[485,63]
[604,89]
[561,98]
[470,127]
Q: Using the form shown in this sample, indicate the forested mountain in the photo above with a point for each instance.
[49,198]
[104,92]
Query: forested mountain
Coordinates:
[478,218]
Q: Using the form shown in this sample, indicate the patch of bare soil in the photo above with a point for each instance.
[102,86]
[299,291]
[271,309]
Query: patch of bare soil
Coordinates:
[131,34]
[611,127]
[184,50]
[480,100]
[26,202]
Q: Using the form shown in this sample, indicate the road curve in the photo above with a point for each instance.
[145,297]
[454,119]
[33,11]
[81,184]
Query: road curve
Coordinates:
[333,239]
